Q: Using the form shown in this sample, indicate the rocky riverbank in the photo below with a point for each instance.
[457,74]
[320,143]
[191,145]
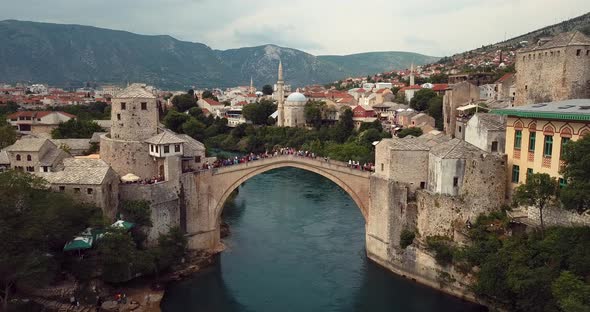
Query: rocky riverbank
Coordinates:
[142,294]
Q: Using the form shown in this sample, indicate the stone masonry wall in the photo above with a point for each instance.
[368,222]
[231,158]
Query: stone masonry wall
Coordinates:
[553,216]
[128,157]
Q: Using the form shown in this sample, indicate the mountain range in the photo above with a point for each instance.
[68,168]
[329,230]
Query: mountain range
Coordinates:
[71,55]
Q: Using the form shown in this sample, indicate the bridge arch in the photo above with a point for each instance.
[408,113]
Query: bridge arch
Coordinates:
[361,204]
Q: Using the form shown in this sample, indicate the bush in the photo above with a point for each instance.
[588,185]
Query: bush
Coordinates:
[137,211]
[442,248]
[406,238]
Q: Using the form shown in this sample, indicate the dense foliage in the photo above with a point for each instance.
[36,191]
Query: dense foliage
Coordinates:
[35,223]
[92,111]
[540,190]
[575,196]
[413,131]
[523,272]
[406,238]
[421,99]
[184,102]
[259,113]
[76,129]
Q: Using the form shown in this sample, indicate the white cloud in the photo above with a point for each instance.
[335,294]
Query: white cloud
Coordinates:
[433,27]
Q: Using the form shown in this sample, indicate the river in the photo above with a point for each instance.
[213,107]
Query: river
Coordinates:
[297,244]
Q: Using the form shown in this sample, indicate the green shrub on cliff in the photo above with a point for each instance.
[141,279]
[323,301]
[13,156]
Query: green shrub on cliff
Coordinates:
[442,248]
[406,238]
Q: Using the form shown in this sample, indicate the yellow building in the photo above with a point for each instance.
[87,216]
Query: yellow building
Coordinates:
[536,134]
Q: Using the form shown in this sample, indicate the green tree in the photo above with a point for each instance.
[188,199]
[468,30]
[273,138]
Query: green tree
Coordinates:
[174,120]
[571,293]
[35,223]
[313,113]
[117,253]
[267,90]
[7,135]
[137,211]
[184,102]
[171,248]
[400,97]
[421,98]
[435,109]
[209,95]
[344,127]
[576,194]
[413,131]
[258,112]
[194,128]
[76,129]
[540,191]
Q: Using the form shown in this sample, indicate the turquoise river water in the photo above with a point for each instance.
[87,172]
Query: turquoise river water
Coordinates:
[297,244]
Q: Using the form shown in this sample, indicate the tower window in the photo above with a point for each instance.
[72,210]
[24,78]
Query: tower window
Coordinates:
[494,146]
[62,188]
[526,87]
[143,106]
[18,157]
[123,106]
[118,116]
[76,190]
[89,191]
[455,181]
[578,52]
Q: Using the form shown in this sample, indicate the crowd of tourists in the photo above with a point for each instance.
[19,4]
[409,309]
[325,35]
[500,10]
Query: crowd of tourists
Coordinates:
[236,160]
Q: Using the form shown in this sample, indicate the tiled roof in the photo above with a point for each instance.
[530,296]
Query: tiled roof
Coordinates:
[106,124]
[212,102]
[135,91]
[505,77]
[96,137]
[37,114]
[578,109]
[165,137]
[562,40]
[440,86]
[29,144]
[75,144]
[192,146]
[79,171]
[454,149]
[407,144]
[53,157]
[491,121]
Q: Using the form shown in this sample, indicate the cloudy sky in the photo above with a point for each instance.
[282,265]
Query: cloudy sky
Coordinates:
[433,27]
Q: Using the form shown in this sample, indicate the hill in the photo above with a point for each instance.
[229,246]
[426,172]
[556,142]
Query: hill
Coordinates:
[70,55]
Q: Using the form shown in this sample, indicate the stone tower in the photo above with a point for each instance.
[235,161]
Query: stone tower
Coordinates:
[554,69]
[134,114]
[412,81]
[281,97]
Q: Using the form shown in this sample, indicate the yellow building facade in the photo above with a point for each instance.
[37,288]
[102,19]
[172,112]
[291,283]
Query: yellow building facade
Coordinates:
[537,133]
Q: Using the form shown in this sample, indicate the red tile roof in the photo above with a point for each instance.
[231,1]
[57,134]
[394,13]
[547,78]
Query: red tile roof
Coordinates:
[212,102]
[36,114]
[414,87]
[505,77]
[440,86]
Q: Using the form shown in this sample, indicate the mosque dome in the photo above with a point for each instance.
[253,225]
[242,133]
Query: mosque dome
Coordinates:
[296,97]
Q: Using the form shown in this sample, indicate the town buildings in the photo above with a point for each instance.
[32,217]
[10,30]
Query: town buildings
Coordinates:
[37,122]
[537,133]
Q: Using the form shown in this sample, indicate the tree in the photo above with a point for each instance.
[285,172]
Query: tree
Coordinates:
[413,131]
[171,248]
[400,97]
[571,293]
[194,128]
[344,127]
[540,191]
[576,194]
[117,252]
[184,102]
[7,135]
[267,90]
[436,111]
[174,120]
[421,98]
[76,129]
[258,112]
[313,113]
[209,95]
[137,211]
[35,224]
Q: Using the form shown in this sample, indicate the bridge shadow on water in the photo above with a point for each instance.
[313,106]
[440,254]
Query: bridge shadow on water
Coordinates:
[297,244]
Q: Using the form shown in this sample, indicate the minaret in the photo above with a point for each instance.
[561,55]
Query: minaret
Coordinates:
[251,85]
[281,97]
[412,75]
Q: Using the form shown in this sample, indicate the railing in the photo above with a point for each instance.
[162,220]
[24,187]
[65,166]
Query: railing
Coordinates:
[315,162]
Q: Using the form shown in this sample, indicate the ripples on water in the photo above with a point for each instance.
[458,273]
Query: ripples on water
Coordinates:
[297,244]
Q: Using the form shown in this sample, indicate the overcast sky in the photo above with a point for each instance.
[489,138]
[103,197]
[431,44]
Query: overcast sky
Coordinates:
[432,27]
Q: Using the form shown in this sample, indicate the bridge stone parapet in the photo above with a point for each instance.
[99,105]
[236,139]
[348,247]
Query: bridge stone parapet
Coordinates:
[214,186]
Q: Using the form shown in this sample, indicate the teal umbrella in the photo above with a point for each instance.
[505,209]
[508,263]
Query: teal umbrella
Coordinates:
[122,225]
[95,233]
[79,243]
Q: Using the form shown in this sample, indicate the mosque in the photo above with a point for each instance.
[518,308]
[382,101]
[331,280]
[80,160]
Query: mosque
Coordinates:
[290,112]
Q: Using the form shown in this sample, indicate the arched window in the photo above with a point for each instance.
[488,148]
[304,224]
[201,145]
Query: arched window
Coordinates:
[29,158]
[18,157]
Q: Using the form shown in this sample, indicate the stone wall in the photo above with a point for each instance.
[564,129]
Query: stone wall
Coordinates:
[552,74]
[164,203]
[134,123]
[128,157]
[459,94]
[554,216]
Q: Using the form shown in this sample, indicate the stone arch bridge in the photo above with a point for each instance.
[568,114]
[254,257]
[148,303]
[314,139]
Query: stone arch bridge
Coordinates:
[213,187]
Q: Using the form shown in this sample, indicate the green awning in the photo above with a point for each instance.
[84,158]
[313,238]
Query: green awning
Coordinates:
[95,233]
[122,225]
[78,243]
